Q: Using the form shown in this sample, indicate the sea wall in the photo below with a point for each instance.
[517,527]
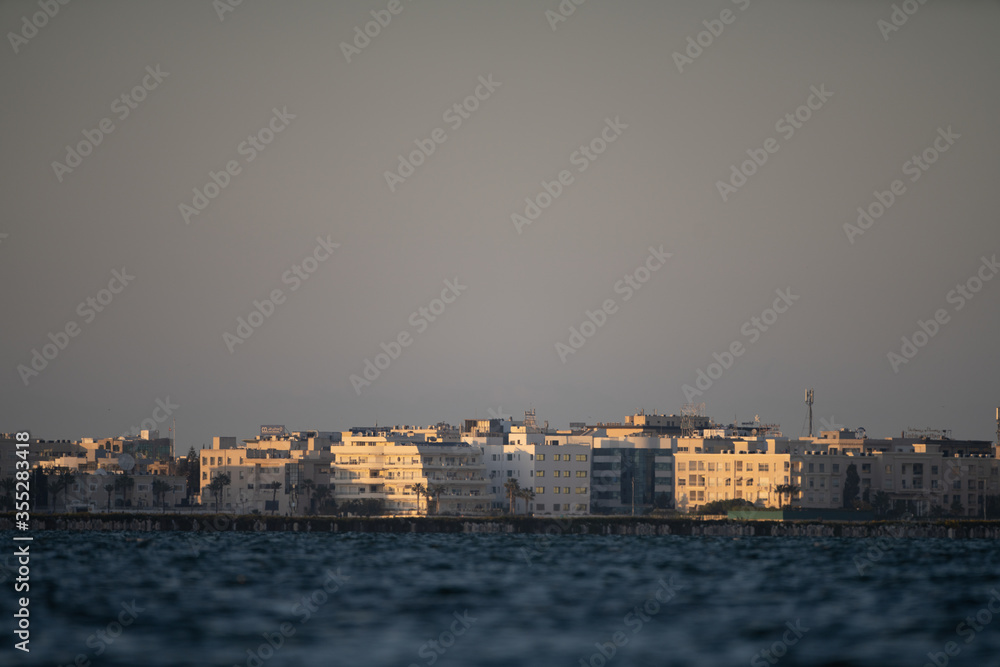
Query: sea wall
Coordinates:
[954,529]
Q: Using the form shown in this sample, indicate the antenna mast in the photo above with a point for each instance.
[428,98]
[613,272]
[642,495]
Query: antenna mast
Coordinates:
[810,396]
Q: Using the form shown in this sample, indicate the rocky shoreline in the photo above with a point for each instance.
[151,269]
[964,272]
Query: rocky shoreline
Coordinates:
[208,523]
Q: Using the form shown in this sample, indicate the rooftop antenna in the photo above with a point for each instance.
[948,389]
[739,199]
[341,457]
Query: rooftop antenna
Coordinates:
[810,397]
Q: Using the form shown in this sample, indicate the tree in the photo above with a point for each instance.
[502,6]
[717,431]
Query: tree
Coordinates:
[322,493]
[852,486]
[124,483]
[218,485]
[160,489]
[435,491]
[956,507]
[881,503]
[308,486]
[191,469]
[8,485]
[789,490]
[62,483]
[274,486]
[528,495]
[724,506]
[992,507]
[108,488]
[419,489]
[513,488]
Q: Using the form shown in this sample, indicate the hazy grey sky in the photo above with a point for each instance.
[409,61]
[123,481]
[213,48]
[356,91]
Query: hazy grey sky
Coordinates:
[605,79]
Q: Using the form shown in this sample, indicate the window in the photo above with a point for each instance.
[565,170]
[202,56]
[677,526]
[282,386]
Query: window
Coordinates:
[934,470]
[510,473]
[810,469]
[888,469]
[749,466]
[540,506]
[836,467]
[540,489]
[581,473]
[555,508]
[739,466]
[555,489]
[510,457]
[727,466]
[692,480]
[581,489]
[711,466]
[581,457]
[866,467]
[701,465]
[540,473]
[822,467]
[565,489]
[540,457]
[681,466]
[786,466]
[918,468]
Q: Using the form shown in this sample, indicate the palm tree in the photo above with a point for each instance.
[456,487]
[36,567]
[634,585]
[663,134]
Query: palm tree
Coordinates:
[322,491]
[274,486]
[789,490]
[8,485]
[881,502]
[62,483]
[108,488]
[434,491]
[308,486]
[217,485]
[528,496]
[160,489]
[124,482]
[513,488]
[419,489]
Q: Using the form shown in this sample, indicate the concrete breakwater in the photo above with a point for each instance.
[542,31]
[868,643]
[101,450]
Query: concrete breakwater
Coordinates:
[208,523]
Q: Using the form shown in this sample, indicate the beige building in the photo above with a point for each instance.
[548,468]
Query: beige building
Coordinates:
[370,467]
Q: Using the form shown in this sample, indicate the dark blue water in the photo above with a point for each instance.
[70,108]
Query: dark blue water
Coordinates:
[373,599]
